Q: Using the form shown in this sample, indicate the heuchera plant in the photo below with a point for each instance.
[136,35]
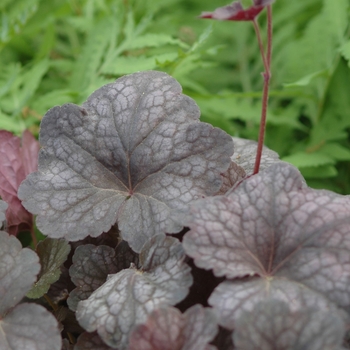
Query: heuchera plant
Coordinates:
[165,232]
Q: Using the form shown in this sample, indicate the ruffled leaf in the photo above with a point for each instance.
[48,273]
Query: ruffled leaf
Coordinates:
[130,295]
[273,326]
[29,326]
[133,152]
[167,329]
[18,270]
[92,265]
[52,253]
[288,241]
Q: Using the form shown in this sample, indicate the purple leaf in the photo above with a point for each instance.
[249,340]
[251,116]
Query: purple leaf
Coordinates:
[273,326]
[127,297]
[19,268]
[231,176]
[245,154]
[29,326]
[132,153]
[16,162]
[167,329]
[290,242]
[236,12]
[92,265]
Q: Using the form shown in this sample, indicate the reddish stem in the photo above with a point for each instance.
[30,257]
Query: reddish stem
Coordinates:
[267,76]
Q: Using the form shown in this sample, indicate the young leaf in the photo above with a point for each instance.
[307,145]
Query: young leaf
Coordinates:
[130,295]
[16,162]
[273,326]
[52,253]
[290,242]
[132,153]
[166,328]
[19,268]
[236,12]
[29,326]
[92,265]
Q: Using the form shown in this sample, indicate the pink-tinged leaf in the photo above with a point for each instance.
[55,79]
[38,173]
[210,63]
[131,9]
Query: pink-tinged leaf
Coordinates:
[131,154]
[30,149]
[129,296]
[236,12]
[278,239]
[273,326]
[167,329]
[16,162]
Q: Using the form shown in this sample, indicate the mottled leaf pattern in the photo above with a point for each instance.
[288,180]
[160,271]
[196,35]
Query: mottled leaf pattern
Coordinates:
[273,326]
[288,241]
[168,329]
[91,266]
[29,326]
[18,270]
[130,295]
[52,253]
[133,152]
[245,154]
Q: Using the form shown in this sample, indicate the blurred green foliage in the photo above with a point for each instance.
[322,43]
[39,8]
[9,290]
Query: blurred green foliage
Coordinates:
[59,51]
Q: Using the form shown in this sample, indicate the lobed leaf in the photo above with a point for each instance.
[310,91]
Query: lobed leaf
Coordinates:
[52,253]
[166,328]
[135,151]
[18,270]
[29,326]
[92,265]
[130,295]
[288,241]
[273,326]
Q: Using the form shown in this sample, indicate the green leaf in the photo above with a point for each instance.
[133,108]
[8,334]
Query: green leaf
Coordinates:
[336,151]
[126,65]
[52,253]
[154,40]
[321,172]
[345,51]
[11,124]
[303,159]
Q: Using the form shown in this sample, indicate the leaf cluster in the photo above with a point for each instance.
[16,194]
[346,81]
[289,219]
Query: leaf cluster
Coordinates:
[82,45]
[116,178]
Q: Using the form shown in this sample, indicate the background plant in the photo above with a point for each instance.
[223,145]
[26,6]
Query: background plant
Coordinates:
[58,52]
